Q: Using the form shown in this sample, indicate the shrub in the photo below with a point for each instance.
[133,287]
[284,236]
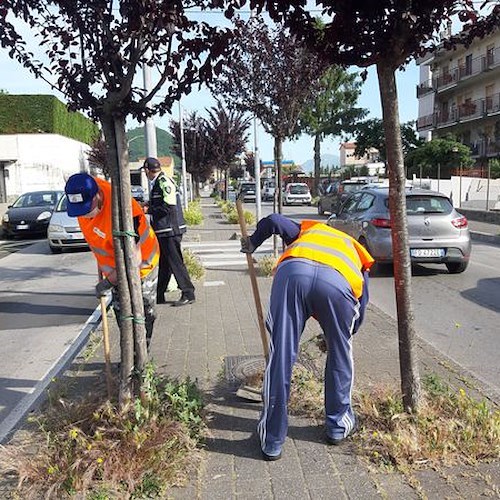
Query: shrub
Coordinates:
[232,216]
[96,449]
[266,265]
[193,214]
[193,265]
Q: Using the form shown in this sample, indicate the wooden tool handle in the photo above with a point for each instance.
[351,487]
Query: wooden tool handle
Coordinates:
[253,280]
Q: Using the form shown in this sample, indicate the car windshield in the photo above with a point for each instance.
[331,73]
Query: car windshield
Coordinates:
[38,199]
[426,204]
[352,188]
[298,189]
[62,206]
[248,187]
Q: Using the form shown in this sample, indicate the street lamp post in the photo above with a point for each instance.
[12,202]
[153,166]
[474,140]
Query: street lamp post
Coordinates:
[183,159]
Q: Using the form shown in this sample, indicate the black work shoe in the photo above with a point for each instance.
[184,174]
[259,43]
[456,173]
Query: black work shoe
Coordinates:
[271,458]
[184,301]
[161,300]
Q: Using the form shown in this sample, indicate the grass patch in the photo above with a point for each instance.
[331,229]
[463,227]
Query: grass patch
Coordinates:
[193,214]
[266,265]
[193,265]
[232,217]
[451,428]
[91,448]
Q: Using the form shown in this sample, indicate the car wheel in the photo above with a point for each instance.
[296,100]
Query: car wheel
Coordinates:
[55,249]
[456,267]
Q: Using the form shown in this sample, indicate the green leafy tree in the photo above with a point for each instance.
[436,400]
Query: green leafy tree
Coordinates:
[387,34]
[91,52]
[438,157]
[370,134]
[332,112]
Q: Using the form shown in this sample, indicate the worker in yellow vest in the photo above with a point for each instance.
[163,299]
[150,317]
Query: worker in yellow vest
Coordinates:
[322,273]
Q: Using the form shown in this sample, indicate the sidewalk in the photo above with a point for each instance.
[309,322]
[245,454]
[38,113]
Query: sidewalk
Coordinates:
[218,335]
[205,340]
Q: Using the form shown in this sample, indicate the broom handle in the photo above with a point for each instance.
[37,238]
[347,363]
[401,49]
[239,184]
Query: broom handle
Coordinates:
[105,337]
[253,280]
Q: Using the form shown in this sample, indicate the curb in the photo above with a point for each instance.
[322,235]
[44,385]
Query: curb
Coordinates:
[39,392]
[485,237]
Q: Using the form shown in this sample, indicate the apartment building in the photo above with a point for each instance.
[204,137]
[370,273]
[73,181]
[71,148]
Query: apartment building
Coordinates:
[459,94]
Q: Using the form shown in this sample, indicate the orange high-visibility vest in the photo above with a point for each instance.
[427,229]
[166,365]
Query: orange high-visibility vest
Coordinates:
[98,233]
[326,245]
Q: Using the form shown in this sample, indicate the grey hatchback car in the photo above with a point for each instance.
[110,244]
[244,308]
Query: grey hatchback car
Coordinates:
[437,232]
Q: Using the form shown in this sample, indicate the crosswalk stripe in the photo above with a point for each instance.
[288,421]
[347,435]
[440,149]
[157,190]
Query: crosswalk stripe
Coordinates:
[224,253]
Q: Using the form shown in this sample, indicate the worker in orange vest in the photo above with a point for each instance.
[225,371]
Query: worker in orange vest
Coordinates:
[89,199]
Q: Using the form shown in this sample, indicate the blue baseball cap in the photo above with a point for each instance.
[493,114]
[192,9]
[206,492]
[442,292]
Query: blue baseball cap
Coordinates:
[80,190]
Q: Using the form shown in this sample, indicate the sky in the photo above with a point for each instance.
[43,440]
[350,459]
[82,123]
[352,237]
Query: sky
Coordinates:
[17,80]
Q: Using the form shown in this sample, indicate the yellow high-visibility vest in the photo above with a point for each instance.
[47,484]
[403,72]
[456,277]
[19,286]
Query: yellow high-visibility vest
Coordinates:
[326,245]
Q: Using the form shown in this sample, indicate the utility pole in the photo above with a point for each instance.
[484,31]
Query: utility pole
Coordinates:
[183,159]
[258,208]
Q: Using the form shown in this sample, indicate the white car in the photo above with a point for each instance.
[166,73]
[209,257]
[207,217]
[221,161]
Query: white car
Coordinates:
[64,231]
[297,193]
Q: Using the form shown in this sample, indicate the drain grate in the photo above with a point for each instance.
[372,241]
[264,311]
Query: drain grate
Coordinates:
[239,368]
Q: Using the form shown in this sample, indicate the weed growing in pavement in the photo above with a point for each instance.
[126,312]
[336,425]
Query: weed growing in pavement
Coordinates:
[266,265]
[92,448]
[450,428]
[193,214]
[193,265]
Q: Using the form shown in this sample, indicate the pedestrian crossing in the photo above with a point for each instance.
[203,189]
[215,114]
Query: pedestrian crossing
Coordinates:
[221,254]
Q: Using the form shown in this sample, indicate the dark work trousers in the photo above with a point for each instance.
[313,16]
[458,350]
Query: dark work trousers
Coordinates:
[148,285]
[171,262]
[301,289]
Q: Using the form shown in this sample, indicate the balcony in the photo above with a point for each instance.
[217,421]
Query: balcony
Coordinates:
[473,67]
[424,88]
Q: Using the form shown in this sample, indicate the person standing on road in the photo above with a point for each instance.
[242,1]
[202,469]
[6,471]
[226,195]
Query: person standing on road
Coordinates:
[168,222]
[322,273]
[89,199]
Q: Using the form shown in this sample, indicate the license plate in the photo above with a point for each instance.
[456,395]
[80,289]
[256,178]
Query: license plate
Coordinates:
[427,252]
[22,226]
[75,236]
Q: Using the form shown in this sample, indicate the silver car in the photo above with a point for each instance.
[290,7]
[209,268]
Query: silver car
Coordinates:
[64,231]
[437,232]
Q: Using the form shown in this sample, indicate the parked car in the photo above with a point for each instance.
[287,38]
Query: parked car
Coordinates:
[64,231]
[437,232]
[246,191]
[30,213]
[336,193]
[138,193]
[297,193]
[268,189]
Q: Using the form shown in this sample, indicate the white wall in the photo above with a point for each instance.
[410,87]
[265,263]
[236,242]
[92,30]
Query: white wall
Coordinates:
[42,161]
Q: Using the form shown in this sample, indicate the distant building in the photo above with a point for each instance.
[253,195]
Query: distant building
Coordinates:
[41,144]
[348,157]
[459,94]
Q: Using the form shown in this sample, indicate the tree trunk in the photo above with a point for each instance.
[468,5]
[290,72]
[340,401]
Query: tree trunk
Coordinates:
[410,380]
[317,163]
[278,190]
[132,328]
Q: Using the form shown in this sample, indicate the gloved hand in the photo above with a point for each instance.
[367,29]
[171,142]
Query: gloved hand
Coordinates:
[102,287]
[246,245]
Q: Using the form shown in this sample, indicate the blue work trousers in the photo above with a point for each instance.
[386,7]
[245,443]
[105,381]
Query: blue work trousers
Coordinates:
[301,289]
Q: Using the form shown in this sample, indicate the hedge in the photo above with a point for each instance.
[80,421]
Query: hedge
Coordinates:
[34,114]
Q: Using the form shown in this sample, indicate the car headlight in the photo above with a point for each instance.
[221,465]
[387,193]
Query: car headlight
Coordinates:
[44,215]
[5,217]
[55,228]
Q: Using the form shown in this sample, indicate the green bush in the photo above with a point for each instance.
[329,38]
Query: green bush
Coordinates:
[266,265]
[232,217]
[193,265]
[193,214]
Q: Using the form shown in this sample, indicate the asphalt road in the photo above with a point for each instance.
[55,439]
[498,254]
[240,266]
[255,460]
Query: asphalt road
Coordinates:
[45,300]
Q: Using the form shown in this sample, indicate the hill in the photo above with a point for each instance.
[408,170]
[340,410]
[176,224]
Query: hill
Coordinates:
[137,147]
[327,160]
